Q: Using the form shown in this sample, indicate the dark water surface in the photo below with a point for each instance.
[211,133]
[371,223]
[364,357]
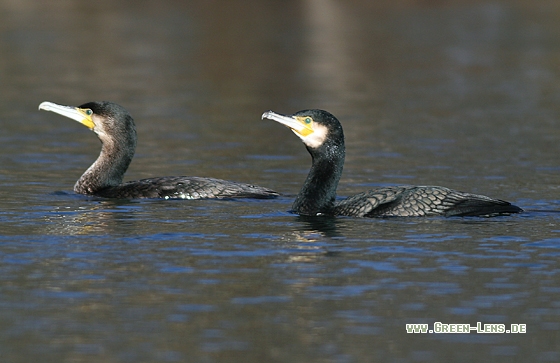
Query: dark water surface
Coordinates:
[464,94]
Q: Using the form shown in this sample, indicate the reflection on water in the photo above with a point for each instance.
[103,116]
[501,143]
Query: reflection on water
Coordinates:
[462,94]
[327,59]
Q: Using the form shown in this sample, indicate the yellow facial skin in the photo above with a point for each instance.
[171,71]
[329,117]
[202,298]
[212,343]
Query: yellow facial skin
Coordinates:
[300,125]
[87,121]
[311,133]
[82,115]
[307,123]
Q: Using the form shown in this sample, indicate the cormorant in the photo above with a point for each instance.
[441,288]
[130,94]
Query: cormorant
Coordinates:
[116,130]
[322,134]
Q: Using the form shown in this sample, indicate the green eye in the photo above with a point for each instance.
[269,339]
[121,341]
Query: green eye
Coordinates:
[89,112]
[307,120]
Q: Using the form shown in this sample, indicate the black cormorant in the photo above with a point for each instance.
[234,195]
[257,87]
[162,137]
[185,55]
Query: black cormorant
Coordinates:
[322,134]
[115,128]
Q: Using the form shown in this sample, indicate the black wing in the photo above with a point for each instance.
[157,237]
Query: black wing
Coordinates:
[416,201]
[186,188]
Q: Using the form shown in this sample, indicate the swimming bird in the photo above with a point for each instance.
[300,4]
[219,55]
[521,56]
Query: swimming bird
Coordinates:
[322,134]
[116,130]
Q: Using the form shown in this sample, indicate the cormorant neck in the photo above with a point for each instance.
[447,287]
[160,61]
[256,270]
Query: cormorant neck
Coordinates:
[109,168]
[318,194]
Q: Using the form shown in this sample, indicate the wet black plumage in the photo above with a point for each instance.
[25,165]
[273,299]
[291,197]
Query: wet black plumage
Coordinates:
[323,136]
[116,130]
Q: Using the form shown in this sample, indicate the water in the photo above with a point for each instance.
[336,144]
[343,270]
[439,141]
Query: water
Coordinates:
[462,94]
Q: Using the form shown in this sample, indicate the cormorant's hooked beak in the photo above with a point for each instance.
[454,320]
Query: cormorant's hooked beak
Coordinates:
[83,116]
[302,126]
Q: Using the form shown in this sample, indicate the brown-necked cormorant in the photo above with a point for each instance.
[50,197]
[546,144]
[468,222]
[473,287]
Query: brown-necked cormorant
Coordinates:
[115,128]
[322,134]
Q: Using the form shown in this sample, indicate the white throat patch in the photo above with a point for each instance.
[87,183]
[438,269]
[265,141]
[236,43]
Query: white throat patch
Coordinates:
[317,138]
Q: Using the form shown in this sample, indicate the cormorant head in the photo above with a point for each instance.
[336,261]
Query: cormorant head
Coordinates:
[316,128]
[108,120]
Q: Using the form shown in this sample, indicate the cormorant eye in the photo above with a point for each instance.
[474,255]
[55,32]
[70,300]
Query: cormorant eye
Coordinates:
[307,120]
[89,112]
